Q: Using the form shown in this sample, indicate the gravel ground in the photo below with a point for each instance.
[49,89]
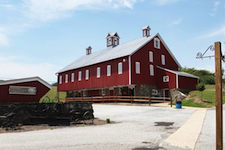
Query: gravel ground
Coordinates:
[207,138]
[135,128]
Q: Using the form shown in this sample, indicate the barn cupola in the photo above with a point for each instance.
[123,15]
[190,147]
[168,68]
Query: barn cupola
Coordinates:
[88,50]
[146,31]
[112,39]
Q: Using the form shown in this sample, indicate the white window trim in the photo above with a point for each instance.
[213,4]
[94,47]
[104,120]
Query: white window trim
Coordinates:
[108,70]
[150,56]
[79,75]
[155,41]
[60,79]
[72,77]
[151,68]
[163,59]
[120,68]
[137,67]
[98,72]
[66,78]
[87,75]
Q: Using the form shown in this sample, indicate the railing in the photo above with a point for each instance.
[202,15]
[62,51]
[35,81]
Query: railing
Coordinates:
[131,99]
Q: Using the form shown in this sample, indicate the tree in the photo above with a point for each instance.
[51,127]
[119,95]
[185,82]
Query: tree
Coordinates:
[201,87]
[54,84]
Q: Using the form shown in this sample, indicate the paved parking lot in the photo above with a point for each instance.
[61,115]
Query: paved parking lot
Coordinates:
[134,129]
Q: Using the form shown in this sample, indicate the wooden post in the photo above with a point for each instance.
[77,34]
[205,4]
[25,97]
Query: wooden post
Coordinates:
[171,102]
[57,89]
[131,97]
[149,100]
[219,102]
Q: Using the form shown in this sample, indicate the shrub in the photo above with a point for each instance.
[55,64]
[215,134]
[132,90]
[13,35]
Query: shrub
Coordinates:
[107,120]
[201,87]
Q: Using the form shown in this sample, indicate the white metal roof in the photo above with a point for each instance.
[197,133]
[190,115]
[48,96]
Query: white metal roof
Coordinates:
[111,53]
[179,73]
[30,79]
[146,27]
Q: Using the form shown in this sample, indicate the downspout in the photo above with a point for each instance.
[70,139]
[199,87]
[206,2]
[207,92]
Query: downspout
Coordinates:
[177,85]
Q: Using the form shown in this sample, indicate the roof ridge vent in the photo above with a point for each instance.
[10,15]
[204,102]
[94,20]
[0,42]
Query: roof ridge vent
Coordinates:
[146,31]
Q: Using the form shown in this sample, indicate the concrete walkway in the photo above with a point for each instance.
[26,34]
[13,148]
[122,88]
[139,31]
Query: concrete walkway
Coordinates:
[186,136]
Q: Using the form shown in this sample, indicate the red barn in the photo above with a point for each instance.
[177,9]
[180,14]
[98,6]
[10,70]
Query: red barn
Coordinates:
[23,90]
[144,66]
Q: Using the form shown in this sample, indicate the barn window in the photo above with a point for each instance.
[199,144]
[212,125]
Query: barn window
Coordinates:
[72,77]
[116,42]
[151,70]
[120,68]
[120,90]
[165,78]
[108,70]
[163,59]
[66,78]
[138,69]
[87,75]
[157,43]
[98,72]
[109,41]
[103,92]
[60,79]
[150,56]
[144,32]
[79,76]
[85,93]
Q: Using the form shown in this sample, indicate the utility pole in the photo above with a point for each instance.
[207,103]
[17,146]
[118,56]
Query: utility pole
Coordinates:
[219,98]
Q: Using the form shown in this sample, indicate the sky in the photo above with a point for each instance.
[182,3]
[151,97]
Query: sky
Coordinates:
[40,37]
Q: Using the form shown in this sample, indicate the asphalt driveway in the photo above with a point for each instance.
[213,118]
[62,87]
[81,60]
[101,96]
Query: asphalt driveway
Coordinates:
[136,127]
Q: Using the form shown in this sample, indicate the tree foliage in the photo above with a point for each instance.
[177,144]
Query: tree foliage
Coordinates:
[54,84]
[205,76]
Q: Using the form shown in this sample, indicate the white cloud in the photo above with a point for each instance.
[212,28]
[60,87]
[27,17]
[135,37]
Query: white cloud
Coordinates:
[14,69]
[35,13]
[7,6]
[177,22]
[219,32]
[165,2]
[3,39]
[45,10]
[215,7]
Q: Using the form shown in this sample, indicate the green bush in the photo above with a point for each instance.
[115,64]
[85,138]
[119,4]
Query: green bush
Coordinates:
[107,120]
[201,87]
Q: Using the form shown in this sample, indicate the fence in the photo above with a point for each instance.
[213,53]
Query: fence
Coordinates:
[131,99]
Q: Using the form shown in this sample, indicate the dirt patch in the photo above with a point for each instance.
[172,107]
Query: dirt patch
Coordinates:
[164,123]
[24,128]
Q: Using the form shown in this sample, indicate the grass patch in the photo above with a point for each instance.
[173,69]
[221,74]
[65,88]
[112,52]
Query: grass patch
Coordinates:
[208,99]
[53,93]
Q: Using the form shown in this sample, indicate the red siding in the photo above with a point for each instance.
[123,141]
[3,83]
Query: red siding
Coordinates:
[187,83]
[142,56]
[164,85]
[94,82]
[6,97]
